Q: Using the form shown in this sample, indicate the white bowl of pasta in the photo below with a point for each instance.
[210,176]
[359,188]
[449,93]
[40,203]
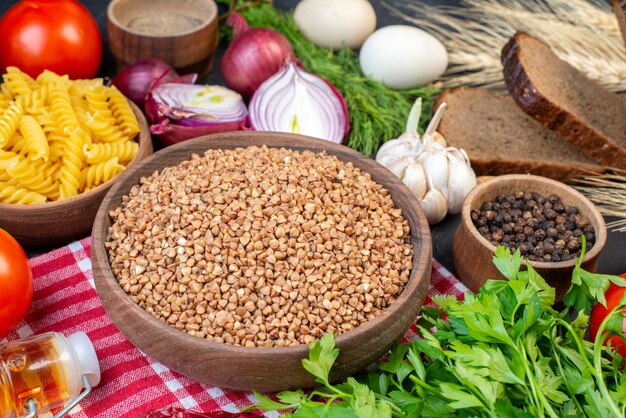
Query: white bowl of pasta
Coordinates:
[62,144]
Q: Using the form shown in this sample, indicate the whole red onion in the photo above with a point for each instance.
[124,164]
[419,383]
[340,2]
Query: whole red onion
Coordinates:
[253,56]
[135,79]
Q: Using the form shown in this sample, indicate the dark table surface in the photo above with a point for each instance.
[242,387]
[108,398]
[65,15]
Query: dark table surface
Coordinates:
[613,258]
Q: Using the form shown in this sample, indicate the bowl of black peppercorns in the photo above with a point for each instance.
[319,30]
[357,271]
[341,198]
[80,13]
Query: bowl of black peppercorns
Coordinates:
[543,218]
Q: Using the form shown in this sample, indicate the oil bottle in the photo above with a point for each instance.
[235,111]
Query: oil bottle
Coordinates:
[44,372]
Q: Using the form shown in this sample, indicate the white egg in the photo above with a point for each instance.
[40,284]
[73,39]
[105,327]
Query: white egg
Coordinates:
[335,23]
[403,57]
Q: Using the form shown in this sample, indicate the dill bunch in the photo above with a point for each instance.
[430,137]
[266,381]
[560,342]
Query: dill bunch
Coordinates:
[377,113]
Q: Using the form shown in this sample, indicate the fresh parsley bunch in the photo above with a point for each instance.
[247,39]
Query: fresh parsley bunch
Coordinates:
[504,352]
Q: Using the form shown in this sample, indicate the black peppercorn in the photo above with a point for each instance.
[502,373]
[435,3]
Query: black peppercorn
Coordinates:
[542,229]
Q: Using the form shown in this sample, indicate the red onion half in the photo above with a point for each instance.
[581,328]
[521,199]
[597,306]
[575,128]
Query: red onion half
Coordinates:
[182,111]
[136,79]
[253,56]
[296,101]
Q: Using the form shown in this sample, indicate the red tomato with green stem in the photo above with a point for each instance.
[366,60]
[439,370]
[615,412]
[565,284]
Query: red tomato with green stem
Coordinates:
[613,296]
[56,35]
[16,283]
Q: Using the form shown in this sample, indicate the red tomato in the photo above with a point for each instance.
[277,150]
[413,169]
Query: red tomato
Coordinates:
[57,35]
[16,283]
[598,313]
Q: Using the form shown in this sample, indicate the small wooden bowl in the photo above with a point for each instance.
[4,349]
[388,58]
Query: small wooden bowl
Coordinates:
[472,253]
[259,368]
[53,223]
[189,48]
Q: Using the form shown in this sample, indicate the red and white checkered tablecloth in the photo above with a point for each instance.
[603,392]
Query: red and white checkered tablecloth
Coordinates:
[65,301]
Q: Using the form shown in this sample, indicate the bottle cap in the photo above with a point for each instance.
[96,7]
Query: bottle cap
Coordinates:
[86,356]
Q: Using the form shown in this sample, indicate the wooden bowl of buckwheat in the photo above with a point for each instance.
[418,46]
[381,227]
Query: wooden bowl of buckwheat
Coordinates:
[225,256]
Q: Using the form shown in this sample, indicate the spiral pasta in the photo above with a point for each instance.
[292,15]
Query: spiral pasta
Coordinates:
[4,102]
[123,112]
[36,142]
[36,101]
[49,78]
[124,151]
[99,173]
[8,122]
[60,137]
[14,194]
[71,166]
[28,174]
[17,144]
[19,84]
[100,118]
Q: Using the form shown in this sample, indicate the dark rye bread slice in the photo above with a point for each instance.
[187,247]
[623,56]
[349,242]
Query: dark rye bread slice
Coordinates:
[565,101]
[619,7]
[501,139]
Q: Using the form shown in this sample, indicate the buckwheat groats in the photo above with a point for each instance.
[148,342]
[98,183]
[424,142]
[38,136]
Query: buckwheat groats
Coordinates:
[260,246]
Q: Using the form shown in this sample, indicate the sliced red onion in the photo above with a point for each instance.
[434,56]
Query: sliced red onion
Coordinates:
[180,111]
[296,101]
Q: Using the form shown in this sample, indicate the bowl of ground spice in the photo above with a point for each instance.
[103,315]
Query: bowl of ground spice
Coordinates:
[182,33]
[544,219]
[225,256]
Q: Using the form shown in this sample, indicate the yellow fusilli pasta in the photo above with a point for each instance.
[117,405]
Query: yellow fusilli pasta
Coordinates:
[49,78]
[29,174]
[124,151]
[123,112]
[97,174]
[100,118]
[72,163]
[19,84]
[60,137]
[36,142]
[9,121]
[4,102]
[14,194]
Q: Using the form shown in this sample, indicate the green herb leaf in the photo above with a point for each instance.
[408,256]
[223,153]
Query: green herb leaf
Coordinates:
[532,311]
[615,323]
[379,383]
[588,288]
[459,396]
[540,287]
[429,345]
[322,355]
[322,411]
[291,398]
[395,359]
[417,363]
[509,265]
[579,382]
[619,395]
[267,404]
[505,408]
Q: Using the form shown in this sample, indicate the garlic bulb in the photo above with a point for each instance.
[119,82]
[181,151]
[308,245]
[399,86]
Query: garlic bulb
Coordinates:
[439,176]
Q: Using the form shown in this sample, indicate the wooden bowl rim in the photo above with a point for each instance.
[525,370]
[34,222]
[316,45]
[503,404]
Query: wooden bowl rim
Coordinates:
[206,22]
[419,271]
[564,189]
[145,141]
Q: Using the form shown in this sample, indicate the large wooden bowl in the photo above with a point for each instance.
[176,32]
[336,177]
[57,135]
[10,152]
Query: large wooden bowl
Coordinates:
[53,223]
[472,253]
[259,368]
